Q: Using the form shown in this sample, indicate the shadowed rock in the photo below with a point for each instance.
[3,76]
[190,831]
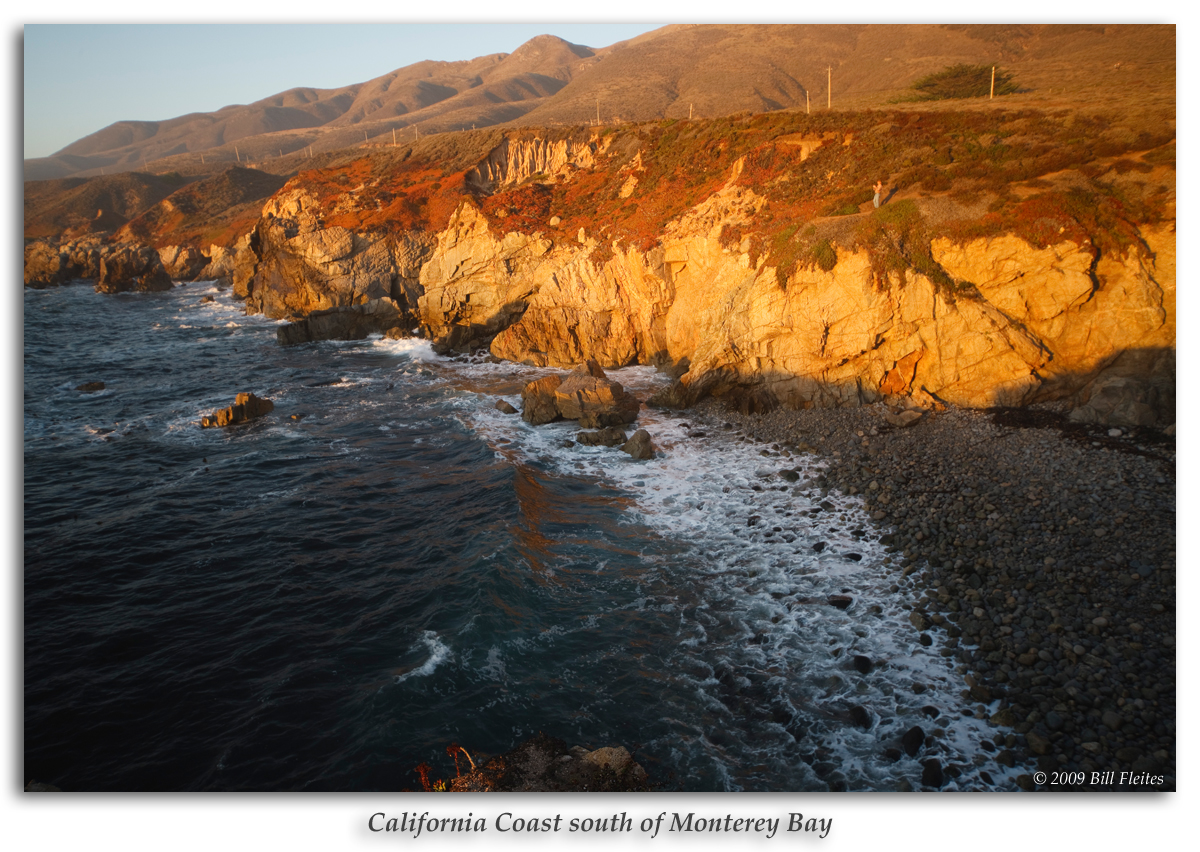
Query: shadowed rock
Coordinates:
[129,268]
[355,322]
[545,764]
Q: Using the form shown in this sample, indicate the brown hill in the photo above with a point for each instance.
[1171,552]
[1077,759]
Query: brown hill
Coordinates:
[708,70]
[216,210]
[80,205]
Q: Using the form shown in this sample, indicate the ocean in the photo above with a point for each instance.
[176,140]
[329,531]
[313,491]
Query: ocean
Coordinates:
[328,596]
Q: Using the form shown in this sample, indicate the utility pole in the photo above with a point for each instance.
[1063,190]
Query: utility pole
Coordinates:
[992,93]
[597,110]
[829,89]
[237,154]
[689,112]
[202,159]
[806,104]
[393,137]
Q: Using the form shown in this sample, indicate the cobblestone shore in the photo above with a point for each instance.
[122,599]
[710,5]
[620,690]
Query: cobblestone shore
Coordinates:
[1045,552]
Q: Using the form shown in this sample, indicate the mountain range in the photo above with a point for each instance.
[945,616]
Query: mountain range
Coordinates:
[673,72]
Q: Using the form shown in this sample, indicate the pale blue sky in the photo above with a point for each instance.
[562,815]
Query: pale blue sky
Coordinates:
[81,78]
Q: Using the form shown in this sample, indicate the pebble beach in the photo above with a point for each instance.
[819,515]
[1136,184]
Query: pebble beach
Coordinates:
[1044,553]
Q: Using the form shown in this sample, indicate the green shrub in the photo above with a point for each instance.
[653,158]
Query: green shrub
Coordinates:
[824,255]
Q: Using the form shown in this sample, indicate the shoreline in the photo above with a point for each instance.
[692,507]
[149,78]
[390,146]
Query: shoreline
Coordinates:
[1042,551]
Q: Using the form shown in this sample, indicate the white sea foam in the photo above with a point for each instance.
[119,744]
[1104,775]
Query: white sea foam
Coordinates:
[416,348]
[438,654]
[752,534]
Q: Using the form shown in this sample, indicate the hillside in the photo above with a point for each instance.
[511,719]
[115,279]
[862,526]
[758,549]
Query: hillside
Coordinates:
[707,71]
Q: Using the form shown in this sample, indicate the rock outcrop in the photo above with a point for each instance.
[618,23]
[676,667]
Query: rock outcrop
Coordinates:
[293,265]
[586,394]
[131,268]
[517,159]
[546,764]
[51,265]
[355,322]
[183,263]
[246,407]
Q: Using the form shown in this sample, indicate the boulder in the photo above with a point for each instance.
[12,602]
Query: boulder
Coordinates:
[505,407]
[354,322]
[90,387]
[903,418]
[1118,401]
[246,407]
[132,268]
[539,404]
[596,401]
[639,446]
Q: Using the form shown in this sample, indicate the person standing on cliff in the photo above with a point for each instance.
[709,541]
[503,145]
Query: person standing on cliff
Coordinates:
[878,190]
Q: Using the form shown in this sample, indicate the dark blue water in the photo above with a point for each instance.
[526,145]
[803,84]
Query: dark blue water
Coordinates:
[324,602]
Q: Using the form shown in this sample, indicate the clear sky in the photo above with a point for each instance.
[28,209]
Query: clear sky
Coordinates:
[81,78]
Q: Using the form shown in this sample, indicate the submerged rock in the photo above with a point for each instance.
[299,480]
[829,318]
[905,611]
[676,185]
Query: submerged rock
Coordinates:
[247,406]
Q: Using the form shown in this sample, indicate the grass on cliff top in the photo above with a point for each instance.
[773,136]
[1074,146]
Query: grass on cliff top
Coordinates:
[1046,177]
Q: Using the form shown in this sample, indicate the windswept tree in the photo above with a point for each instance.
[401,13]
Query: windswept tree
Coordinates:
[962,81]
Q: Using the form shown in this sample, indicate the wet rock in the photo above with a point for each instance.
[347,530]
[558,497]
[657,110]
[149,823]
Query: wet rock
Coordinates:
[352,322]
[1037,743]
[90,387]
[639,445]
[860,716]
[609,437]
[540,405]
[246,407]
[862,664]
[545,764]
[505,407]
[840,601]
[589,396]
[912,740]
[931,773]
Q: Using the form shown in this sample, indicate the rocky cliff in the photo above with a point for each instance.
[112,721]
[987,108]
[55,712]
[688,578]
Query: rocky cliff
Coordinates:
[745,257]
